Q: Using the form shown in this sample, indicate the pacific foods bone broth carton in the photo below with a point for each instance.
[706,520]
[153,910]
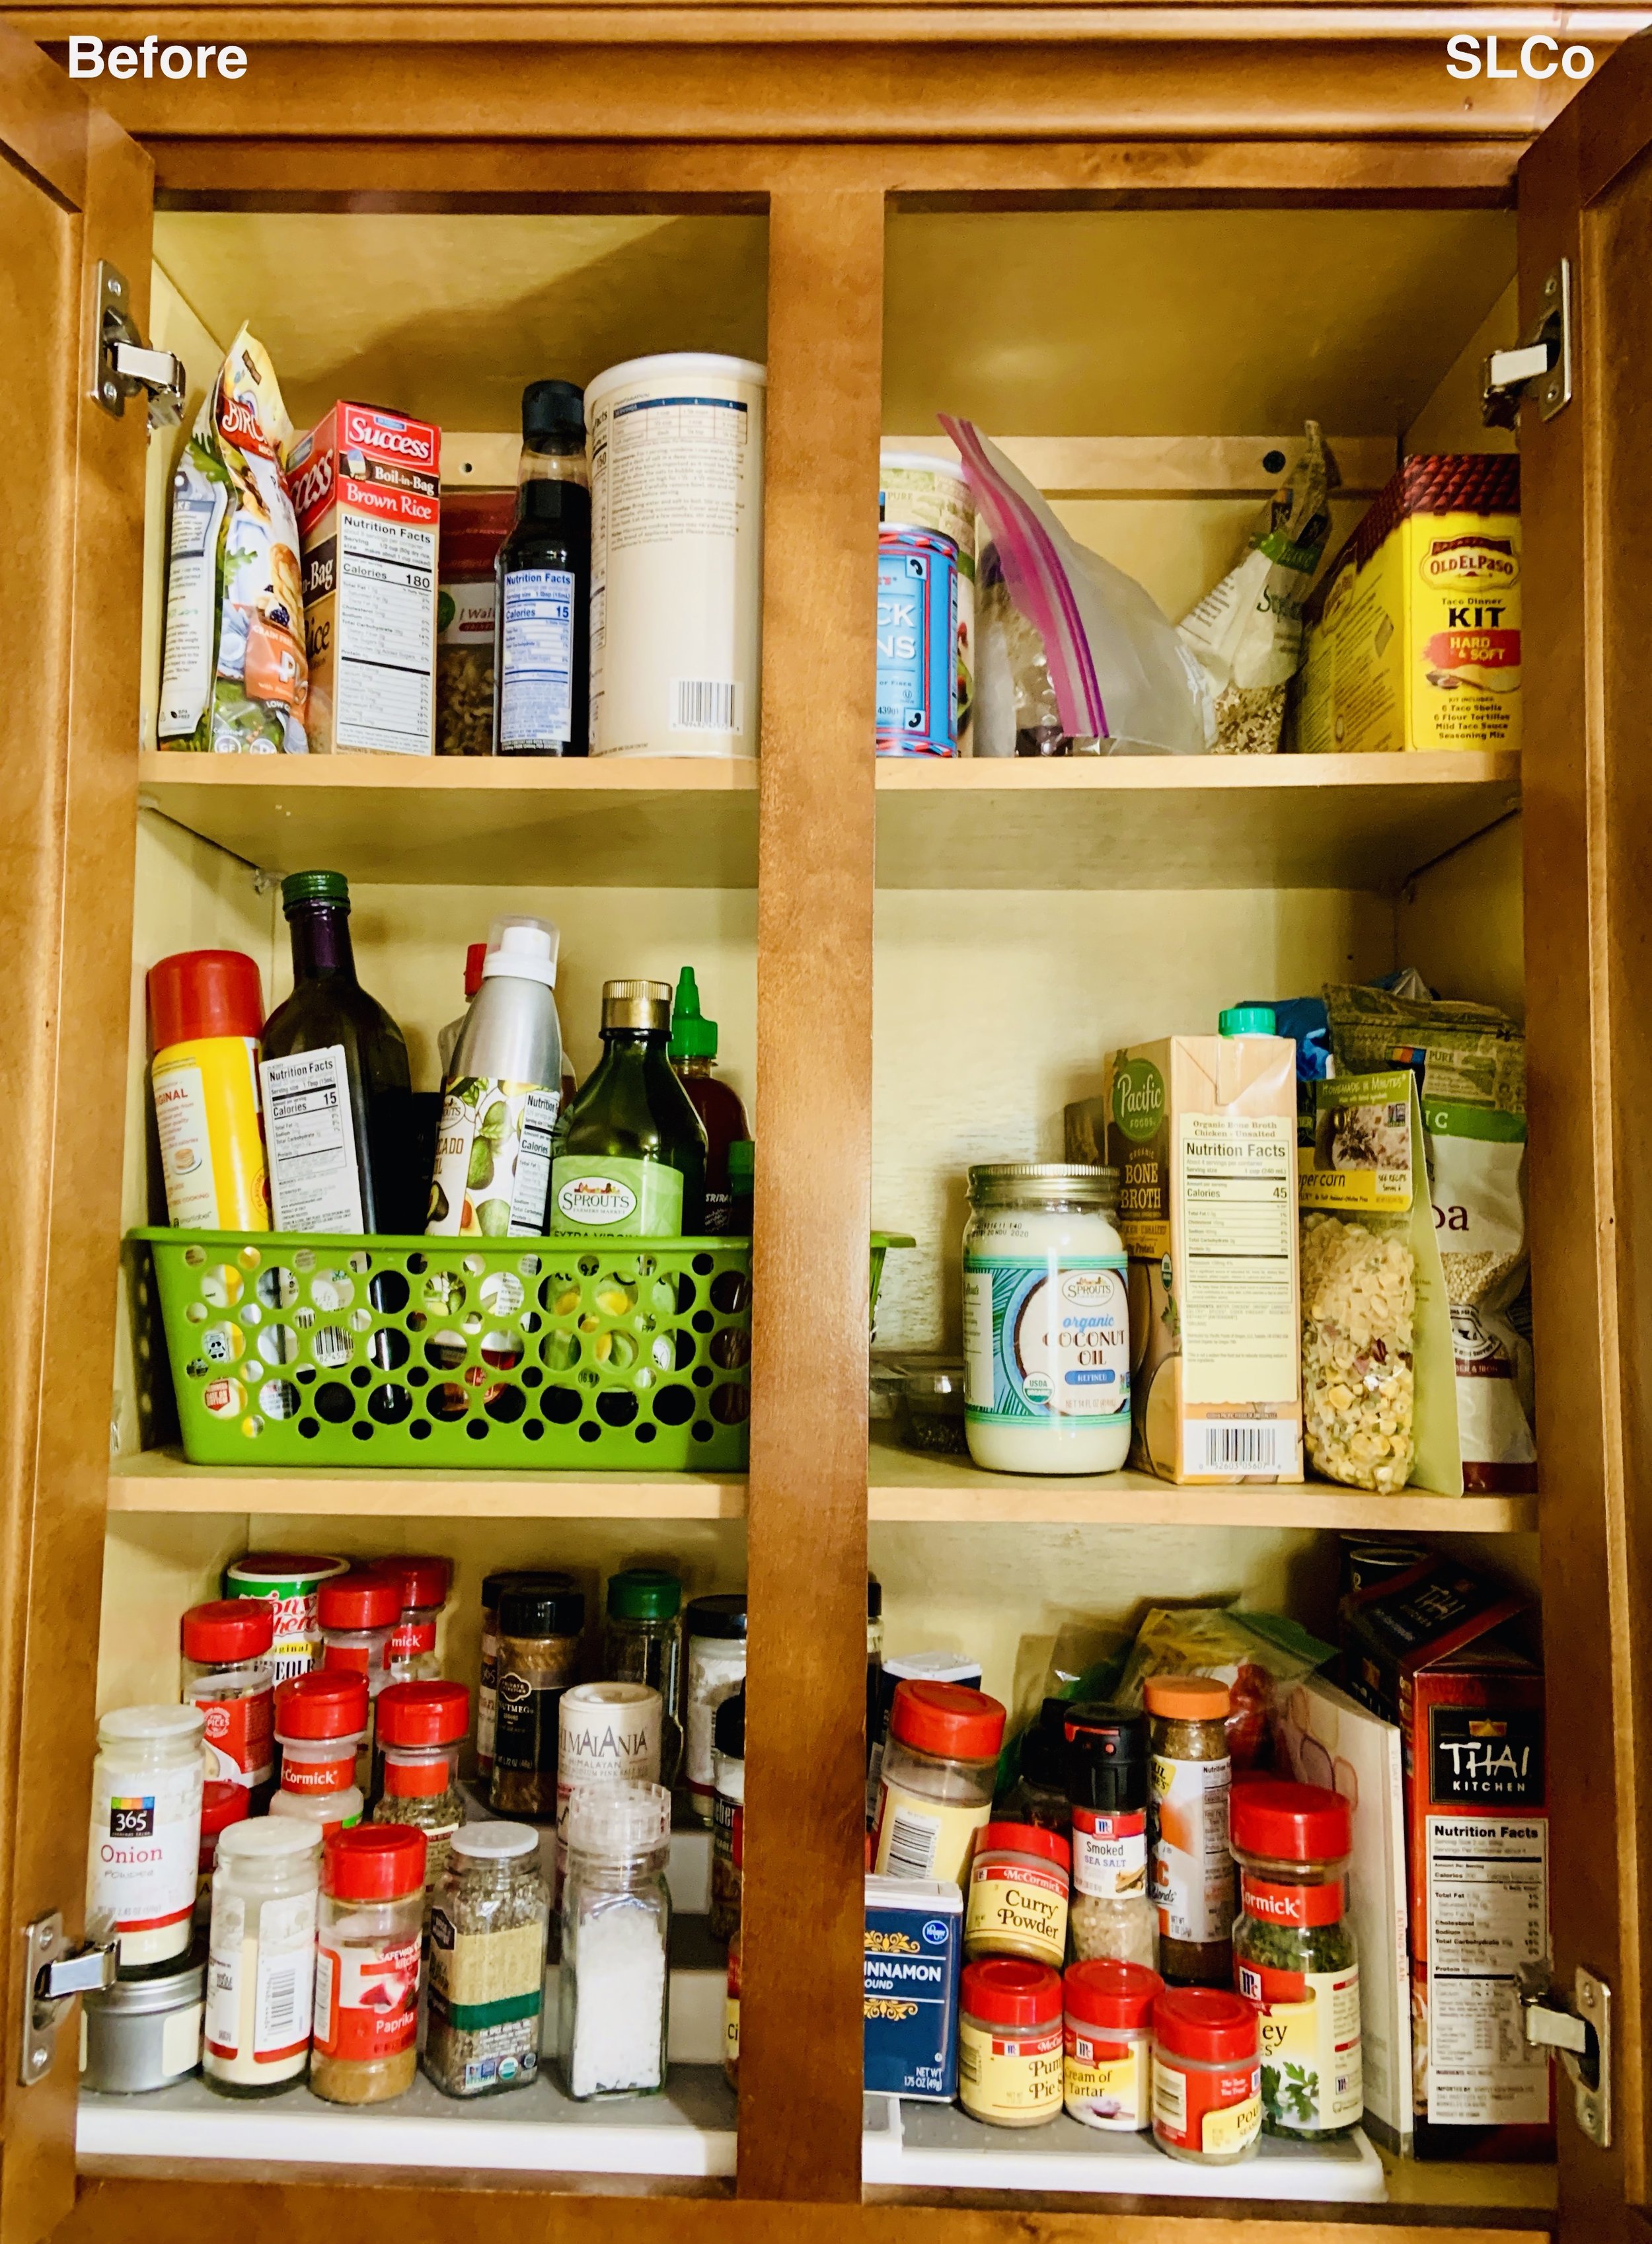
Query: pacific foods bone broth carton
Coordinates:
[1202,1130]
[365,483]
[1414,637]
[1432,1650]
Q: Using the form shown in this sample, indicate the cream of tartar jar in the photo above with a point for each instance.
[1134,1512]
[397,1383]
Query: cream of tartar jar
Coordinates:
[1047,1319]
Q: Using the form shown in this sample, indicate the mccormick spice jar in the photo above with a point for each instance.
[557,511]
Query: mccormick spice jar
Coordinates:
[1108,1780]
[1018,1900]
[221,1804]
[1108,2045]
[229,1675]
[1191,1869]
[541,1620]
[487,1961]
[1207,2075]
[421,1727]
[936,1789]
[1009,2048]
[367,1964]
[1294,1957]
[289,1580]
[425,1583]
[321,1718]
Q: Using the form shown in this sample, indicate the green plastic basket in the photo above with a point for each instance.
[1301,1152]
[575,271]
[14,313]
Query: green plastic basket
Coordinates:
[575,1351]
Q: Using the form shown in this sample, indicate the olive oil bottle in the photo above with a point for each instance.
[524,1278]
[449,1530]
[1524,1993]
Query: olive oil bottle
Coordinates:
[632,1159]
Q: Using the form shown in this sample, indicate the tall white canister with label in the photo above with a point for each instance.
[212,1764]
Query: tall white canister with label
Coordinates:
[676,555]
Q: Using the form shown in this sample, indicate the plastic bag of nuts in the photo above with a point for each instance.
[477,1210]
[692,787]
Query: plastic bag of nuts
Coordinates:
[474,523]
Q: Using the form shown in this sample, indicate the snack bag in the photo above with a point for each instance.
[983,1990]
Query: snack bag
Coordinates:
[233,677]
[1260,1658]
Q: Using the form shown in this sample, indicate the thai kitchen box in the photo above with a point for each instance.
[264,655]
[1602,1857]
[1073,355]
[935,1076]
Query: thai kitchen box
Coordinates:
[1414,635]
[366,484]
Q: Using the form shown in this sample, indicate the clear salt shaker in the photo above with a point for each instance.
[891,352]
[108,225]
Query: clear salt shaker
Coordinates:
[616,1927]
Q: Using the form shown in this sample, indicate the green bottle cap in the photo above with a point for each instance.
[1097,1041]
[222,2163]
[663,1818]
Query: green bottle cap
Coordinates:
[693,1037]
[644,1593]
[1248,1021]
[314,888]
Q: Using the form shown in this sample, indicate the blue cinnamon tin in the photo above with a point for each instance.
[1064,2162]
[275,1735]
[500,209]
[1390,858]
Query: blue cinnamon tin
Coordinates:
[914,1956]
[917,643]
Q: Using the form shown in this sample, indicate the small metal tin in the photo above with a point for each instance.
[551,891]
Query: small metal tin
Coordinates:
[144,2032]
[917,643]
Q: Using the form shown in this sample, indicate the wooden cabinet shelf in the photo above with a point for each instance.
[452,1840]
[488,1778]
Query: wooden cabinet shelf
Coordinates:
[162,1481]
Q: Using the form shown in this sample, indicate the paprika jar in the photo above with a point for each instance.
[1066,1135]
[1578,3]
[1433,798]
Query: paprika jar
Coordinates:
[934,1791]
[421,1728]
[1017,1897]
[1107,2072]
[1207,2075]
[1294,1956]
[1008,2041]
[228,1674]
[367,1964]
[321,1717]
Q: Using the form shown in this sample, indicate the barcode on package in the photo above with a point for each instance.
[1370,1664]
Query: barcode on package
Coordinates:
[912,1846]
[705,705]
[1236,1444]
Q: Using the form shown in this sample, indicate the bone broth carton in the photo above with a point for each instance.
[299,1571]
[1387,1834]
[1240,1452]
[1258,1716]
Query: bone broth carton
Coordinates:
[1202,1130]
[365,483]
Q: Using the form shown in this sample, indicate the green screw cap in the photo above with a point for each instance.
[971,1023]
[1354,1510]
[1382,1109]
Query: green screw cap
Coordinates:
[1249,1021]
[314,888]
[644,1593]
[693,1037]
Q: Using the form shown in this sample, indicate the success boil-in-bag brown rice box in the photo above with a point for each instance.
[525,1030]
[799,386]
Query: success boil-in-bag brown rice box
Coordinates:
[1414,638]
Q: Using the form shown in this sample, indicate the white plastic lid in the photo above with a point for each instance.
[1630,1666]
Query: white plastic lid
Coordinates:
[615,1820]
[264,1841]
[673,367]
[582,1695]
[494,1842]
[152,1725]
[524,948]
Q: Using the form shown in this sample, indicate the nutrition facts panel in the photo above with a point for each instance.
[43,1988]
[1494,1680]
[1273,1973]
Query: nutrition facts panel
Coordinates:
[386,636]
[1236,1185]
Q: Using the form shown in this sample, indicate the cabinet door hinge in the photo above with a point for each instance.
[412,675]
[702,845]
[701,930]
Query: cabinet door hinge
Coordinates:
[1541,367]
[123,365]
[53,1974]
[1581,2033]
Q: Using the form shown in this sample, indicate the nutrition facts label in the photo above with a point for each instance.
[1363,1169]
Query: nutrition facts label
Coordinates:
[1487,1915]
[1237,1187]
[314,1183]
[386,635]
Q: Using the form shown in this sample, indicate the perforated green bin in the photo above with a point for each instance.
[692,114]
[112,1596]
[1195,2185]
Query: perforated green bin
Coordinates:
[575,1351]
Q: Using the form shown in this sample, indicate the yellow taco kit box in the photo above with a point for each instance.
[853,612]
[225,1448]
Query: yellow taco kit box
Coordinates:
[1414,636]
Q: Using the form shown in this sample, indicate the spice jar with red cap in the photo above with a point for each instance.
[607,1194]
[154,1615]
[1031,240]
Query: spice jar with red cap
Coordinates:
[321,1718]
[207,1011]
[1008,2041]
[221,1804]
[1108,2043]
[1295,1958]
[358,1613]
[1017,1897]
[1207,2075]
[421,1728]
[425,1583]
[935,1792]
[367,1964]
[228,1674]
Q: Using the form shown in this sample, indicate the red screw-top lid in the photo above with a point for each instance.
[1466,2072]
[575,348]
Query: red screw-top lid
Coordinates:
[1024,1839]
[369,1600]
[1116,1996]
[1004,1991]
[373,1861]
[476,955]
[329,1702]
[423,1713]
[425,1581]
[1205,2021]
[1289,1823]
[948,1719]
[205,993]
[228,1629]
[222,1805]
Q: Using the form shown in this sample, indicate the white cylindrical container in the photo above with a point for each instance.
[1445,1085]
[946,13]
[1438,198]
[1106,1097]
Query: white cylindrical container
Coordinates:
[918,492]
[609,1734]
[676,555]
[1046,1327]
[261,1974]
[145,1847]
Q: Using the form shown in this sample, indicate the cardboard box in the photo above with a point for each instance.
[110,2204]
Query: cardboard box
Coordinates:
[367,490]
[1431,1650]
[1414,636]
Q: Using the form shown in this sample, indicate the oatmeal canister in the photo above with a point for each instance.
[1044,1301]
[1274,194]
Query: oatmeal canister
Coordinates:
[1207,2075]
[1108,2045]
[1009,2049]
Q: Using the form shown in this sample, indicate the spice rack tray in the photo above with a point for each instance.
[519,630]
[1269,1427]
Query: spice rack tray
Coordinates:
[645,821]
[688,2131]
[163,1480]
[1166,822]
[913,2145]
[908,1485]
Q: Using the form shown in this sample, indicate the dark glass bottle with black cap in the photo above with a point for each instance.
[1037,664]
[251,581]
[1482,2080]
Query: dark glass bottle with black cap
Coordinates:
[542,656]
[338,1107]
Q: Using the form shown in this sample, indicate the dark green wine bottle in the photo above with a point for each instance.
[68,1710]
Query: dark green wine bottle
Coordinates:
[632,1159]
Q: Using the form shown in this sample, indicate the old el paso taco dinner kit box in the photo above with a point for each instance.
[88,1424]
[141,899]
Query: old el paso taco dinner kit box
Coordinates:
[1431,1650]
[1414,637]
[366,486]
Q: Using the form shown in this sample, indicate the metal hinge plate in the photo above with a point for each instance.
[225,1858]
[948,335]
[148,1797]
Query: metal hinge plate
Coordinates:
[1541,367]
[122,364]
[53,1974]
[1580,2036]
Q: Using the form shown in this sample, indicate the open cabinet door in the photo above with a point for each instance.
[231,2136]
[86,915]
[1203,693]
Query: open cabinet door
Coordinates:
[1585,197]
[73,190]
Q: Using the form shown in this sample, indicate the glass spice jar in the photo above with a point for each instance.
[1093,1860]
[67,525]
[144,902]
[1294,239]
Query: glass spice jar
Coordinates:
[493,1587]
[1113,1917]
[605,1732]
[616,1924]
[1294,1954]
[936,1789]
[642,1643]
[488,1926]
[1108,2056]
[1040,1792]
[367,1964]
[229,1674]
[358,1613]
[540,1625]
[475,524]
[716,1630]
[1190,1870]
[728,1817]
[1207,2075]
[144,1846]
[222,1805]
[425,1583]
[1018,1895]
[421,1727]
[1008,2041]
[260,1973]
[321,1718]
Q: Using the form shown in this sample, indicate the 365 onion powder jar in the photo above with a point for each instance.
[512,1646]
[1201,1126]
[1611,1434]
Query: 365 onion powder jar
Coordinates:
[1047,1324]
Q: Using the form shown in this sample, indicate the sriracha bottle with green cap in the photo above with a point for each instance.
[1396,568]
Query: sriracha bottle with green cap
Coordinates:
[692,1052]
[338,1107]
